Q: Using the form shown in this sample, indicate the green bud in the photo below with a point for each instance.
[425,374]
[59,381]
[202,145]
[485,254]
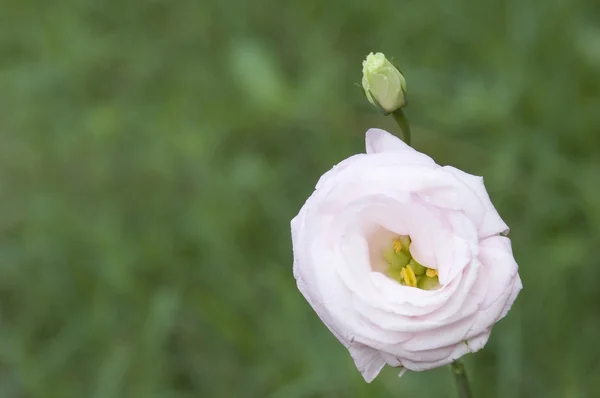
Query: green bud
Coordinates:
[384,85]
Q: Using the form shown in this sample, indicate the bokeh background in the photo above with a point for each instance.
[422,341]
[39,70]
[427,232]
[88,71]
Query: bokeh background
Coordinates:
[152,154]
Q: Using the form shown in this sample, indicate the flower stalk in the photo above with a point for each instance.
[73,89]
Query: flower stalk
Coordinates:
[461,379]
[402,122]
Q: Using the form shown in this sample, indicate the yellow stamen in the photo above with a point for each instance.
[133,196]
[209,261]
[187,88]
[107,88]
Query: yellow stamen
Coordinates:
[408,275]
[432,273]
[397,246]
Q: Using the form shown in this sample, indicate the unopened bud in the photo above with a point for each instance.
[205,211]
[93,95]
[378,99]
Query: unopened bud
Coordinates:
[384,85]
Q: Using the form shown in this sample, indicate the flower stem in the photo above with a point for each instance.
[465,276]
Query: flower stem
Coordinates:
[460,377]
[402,121]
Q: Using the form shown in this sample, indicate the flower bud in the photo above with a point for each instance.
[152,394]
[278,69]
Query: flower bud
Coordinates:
[384,85]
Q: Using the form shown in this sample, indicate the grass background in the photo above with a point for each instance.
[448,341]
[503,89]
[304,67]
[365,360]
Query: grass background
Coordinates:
[152,154]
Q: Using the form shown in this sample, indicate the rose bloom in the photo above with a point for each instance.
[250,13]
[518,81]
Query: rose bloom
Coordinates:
[405,261]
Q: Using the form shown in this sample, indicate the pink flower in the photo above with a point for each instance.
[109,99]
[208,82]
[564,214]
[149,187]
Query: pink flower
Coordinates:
[405,261]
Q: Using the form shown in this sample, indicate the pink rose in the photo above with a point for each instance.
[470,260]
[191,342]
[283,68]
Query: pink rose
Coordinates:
[405,261]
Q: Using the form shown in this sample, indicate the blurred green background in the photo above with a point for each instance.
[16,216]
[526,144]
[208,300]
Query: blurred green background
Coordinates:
[152,154]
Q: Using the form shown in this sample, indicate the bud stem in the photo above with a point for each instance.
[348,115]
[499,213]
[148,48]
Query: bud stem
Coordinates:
[402,121]
[460,377]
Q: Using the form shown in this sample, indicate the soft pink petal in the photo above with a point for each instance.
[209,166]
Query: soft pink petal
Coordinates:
[492,224]
[396,355]
[458,350]
[367,360]
[517,287]
[499,282]
[443,336]
[380,141]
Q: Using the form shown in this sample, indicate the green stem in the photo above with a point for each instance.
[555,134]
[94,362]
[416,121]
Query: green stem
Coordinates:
[460,377]
[402,121]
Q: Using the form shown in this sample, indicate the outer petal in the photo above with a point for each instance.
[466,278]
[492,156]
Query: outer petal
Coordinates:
[380,141]
[499,281]
[492,223]
[458,350]
[309,282]
[367,360]
[517,286]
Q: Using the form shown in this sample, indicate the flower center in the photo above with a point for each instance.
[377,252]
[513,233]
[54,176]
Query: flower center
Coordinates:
[405,269]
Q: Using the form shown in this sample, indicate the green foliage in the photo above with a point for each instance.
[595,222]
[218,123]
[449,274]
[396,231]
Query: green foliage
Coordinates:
[153,153]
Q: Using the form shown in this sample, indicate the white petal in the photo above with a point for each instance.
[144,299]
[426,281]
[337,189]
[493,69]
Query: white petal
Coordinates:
[499,280]
[458,350]
[448,334]
[517,287]
[492,224]
[380,141]
[476,343]
[367,360]
[330,174]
